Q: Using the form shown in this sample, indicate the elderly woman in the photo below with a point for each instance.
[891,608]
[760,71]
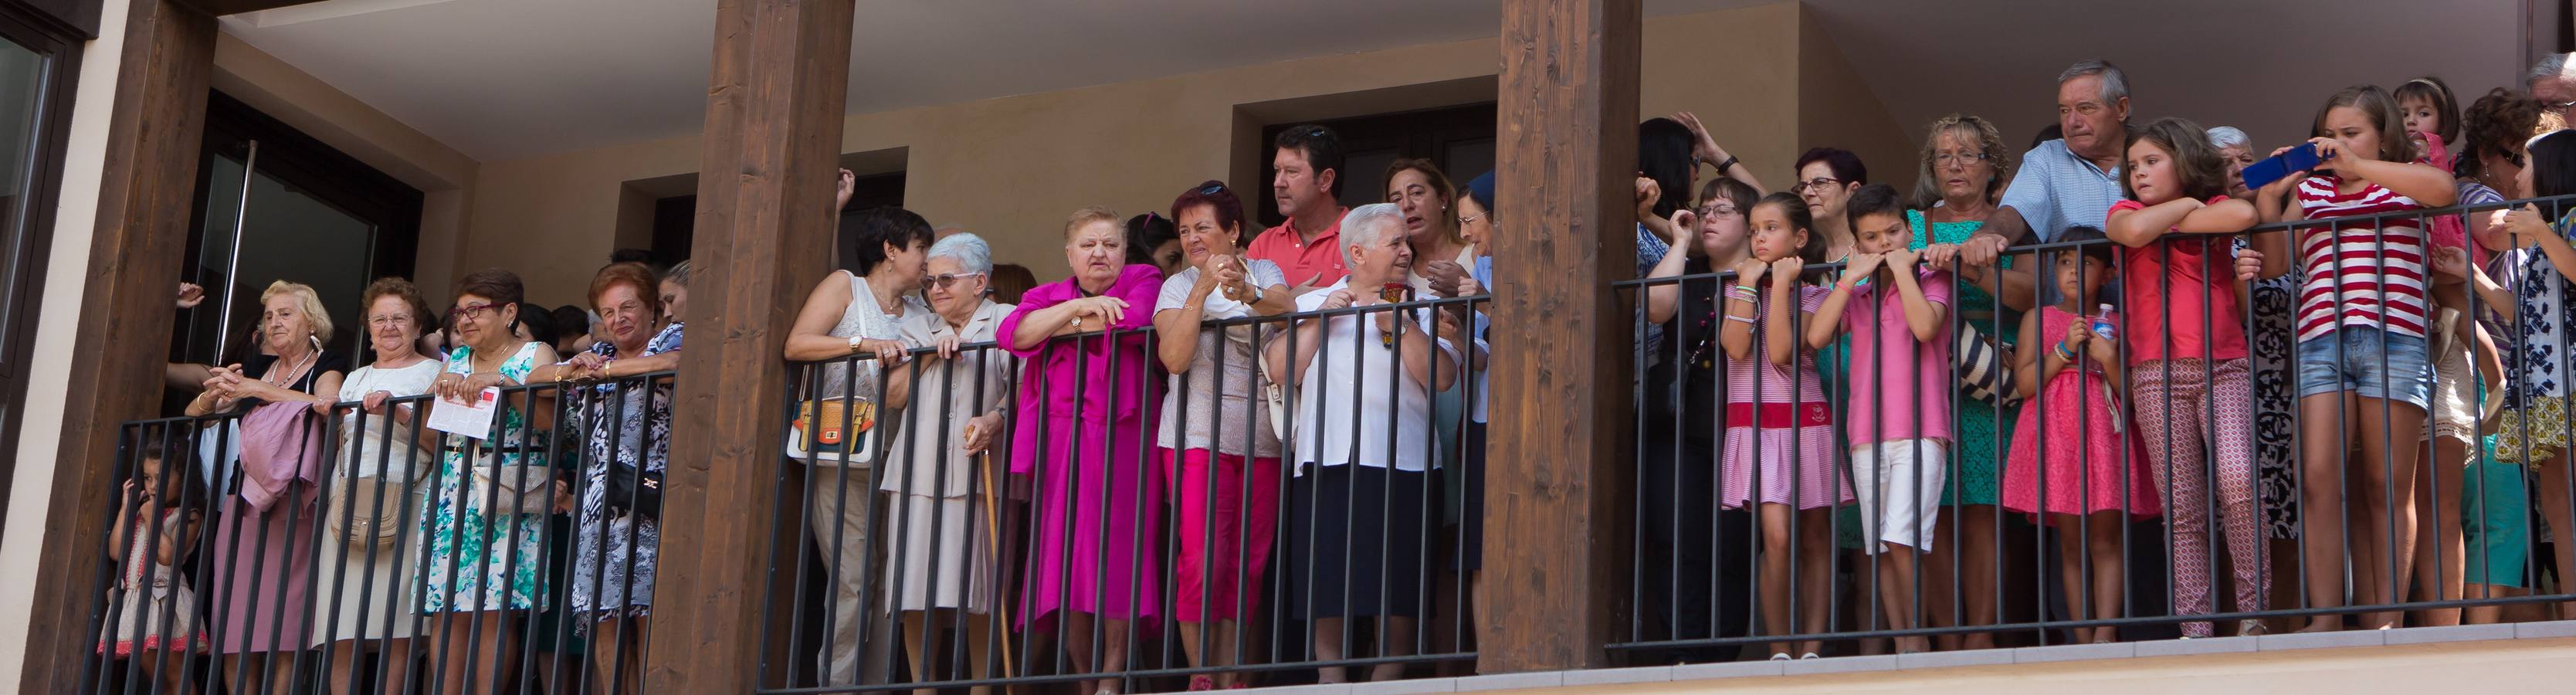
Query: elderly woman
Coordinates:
[1964,163]
[1082,435]
[267,526]
[1361,487]
[854,313]
[1210,427]
[483,534]
[2238,150]
[617,542]
[372,493]
[944,546]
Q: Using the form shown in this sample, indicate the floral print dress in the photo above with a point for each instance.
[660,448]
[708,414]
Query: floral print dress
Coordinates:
[477,562]
[618,417]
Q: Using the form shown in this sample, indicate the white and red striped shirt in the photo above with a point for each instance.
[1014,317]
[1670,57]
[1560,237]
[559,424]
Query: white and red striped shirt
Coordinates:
[2361,271]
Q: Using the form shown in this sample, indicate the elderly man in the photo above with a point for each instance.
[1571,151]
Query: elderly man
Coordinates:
[2064,182]
[2553,82]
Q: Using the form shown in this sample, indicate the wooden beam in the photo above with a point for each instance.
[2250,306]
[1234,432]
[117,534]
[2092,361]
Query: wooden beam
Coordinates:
[765,221]
[224,7]
[146,189]
[1566,229]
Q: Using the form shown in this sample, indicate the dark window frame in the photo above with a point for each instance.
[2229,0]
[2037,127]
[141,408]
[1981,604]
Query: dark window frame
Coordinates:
[21,299]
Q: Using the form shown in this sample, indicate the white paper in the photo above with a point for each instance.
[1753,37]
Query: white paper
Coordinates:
[470,420]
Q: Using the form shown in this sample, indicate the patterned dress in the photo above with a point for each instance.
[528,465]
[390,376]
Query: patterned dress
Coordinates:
[2276,402]
[617,415]
[2535,421]
[477,562]
[1981,436]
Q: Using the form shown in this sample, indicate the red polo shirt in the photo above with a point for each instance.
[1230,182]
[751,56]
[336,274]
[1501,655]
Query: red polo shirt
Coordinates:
[1317,264]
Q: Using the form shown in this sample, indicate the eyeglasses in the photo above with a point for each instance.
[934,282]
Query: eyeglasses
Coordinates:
[1211,189]
[2560,106]
[946,280]
[1963,158]
[390,320]
[470,310]
[1818,182]
[1717,211]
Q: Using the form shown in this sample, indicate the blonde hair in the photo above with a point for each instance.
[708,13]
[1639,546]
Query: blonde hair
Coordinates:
[1927,185]
[307,301]
[1091,214]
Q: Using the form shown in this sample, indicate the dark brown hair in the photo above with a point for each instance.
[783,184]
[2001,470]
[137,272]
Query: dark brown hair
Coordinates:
[2201,169]
[2382,110]
[500,286]
[634,275]
[2496,124]
[1217,197]
[2434,90]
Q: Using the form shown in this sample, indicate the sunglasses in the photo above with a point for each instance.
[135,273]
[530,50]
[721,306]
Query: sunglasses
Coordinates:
[946,280]
[1212,189]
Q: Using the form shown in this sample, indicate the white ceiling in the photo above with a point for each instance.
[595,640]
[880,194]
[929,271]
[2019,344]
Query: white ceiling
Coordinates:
[507,79]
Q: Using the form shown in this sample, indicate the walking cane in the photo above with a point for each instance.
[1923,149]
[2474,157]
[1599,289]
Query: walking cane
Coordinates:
[992,540]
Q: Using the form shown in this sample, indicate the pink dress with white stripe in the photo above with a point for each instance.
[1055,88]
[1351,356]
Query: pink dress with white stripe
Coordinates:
[1794,448]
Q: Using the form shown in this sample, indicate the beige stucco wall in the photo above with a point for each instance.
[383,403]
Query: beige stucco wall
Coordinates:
[1836,109]
[1011,168]
[48,378]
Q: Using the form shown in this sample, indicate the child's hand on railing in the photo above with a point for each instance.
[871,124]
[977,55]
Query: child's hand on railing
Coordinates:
[1784,272]
[2249,264]
[2447,260]
[1750,271]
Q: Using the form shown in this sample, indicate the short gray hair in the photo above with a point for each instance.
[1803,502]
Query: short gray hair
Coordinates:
[2551,67]
[970,251]
[2115,84]
[2225,136]
[1361,226]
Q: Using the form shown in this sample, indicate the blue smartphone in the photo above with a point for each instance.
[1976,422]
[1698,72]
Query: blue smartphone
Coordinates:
[2298,159]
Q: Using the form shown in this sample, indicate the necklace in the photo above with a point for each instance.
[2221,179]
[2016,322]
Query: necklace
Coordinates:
[291,375]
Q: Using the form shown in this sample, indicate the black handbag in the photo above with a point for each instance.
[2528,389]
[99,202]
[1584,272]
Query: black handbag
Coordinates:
[635,491]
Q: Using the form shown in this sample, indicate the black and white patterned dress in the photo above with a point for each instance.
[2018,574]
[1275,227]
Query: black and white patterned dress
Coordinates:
[2276,401]
[607,546]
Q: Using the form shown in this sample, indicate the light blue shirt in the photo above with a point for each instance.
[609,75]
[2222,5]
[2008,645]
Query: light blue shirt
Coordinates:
[2057,189]
[1484,274]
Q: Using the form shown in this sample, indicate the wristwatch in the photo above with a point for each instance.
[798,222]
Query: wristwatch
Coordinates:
[855,341]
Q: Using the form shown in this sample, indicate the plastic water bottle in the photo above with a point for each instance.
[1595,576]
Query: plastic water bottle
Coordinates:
[2102,324]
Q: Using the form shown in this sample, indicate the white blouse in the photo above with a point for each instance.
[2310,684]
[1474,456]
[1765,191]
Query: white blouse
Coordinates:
[364,448]
[1349,380]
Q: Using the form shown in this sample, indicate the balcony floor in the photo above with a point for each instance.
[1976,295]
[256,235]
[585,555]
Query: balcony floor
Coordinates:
[2522,657]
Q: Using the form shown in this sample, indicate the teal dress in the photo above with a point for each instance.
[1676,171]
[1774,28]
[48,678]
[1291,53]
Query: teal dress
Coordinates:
[472,561]
[1980,437]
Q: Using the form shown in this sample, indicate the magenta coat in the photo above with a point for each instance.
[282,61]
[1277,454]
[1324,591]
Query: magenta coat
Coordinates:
[1096,532]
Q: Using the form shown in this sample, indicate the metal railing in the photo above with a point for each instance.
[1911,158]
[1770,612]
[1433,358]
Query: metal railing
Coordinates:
[2230,431]
[364,552]
[1127,527]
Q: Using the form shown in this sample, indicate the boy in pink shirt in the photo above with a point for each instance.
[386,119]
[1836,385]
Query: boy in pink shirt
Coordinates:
[1898,417]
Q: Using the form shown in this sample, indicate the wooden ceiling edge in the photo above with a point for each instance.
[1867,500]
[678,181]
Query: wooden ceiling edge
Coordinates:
[224,7]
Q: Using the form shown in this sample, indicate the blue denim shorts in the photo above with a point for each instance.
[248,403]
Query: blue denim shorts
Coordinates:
[2370,362]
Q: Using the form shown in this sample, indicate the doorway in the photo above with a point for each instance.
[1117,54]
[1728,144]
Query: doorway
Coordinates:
[1458,139]
[276,204]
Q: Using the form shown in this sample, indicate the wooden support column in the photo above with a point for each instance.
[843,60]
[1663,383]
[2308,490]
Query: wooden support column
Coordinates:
[144,201]
[1564,183]
[764,234]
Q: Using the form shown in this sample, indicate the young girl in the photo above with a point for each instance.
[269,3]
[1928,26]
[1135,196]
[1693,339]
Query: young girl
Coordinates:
[1779,429]
[2187,359]
[2533,429]
[156,623]
[2458,344]
[1680,460]
[2092,479]
[1898,420]
[2363,370]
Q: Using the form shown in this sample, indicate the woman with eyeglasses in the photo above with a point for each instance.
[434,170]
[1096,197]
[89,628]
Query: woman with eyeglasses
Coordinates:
[1082,435]
[940,477]
[372,493]
[853,314]
[1215,446]
[1964,165]
[482,539]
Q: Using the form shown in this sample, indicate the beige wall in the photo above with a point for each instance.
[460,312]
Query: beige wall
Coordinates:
[1011,168]
[2485,666]
[1836,109]
[48,381]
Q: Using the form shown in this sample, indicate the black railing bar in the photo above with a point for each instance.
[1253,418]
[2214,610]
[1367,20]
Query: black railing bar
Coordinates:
[1136,675]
